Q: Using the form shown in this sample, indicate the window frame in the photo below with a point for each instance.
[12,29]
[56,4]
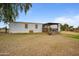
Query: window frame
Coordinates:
[26,25]
[36,26]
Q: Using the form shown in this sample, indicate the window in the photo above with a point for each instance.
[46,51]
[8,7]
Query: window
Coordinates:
[36,26]
[26,26]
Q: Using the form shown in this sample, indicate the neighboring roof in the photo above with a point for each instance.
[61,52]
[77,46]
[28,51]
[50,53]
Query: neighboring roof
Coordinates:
[28,22]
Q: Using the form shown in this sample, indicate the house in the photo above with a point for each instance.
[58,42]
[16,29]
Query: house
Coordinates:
[29,27]
[25,27]
[55,27]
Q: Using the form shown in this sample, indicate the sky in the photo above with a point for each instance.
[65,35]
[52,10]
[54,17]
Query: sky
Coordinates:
[51,12]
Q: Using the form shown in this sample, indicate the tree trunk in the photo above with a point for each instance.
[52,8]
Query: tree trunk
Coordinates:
[49,31]
[6,30]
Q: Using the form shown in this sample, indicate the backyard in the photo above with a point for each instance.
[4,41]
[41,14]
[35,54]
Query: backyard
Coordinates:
[39,44]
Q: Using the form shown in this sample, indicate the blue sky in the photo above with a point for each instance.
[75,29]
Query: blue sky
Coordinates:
[51,12]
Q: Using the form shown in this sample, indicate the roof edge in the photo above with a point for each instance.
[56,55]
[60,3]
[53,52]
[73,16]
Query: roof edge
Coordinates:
[28,22]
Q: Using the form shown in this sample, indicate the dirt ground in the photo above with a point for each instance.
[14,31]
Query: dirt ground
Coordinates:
[38,45]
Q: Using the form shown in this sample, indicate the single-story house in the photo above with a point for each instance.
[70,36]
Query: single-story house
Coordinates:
[29,27]
[25,27]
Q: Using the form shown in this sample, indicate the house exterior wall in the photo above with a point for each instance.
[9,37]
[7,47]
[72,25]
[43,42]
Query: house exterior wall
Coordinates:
[59,28]
[20,28]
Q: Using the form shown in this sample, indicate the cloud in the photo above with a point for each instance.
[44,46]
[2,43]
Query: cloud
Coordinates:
[73,21]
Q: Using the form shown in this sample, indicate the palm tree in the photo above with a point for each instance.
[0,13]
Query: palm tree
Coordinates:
[9,11]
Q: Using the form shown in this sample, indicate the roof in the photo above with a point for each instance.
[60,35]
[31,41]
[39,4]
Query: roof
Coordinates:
[51,23]
[37,23]
[27,22]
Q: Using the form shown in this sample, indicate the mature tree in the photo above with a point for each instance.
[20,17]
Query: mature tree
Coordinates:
[9,11]
[65,27]
[71,28]
[62,27]
[78,27]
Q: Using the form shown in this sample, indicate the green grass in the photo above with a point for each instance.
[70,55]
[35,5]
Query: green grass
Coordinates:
[75,36]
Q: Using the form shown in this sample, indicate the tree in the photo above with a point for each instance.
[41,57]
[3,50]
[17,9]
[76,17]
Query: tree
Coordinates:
[78,27]
[62,27]
[66,27]
[71,28]
[49,30]
[9,11]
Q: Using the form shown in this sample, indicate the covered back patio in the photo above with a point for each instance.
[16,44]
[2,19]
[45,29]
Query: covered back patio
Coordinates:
[51,27]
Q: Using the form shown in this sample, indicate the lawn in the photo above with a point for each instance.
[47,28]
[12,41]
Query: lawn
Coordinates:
[39,44]
[74,35]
